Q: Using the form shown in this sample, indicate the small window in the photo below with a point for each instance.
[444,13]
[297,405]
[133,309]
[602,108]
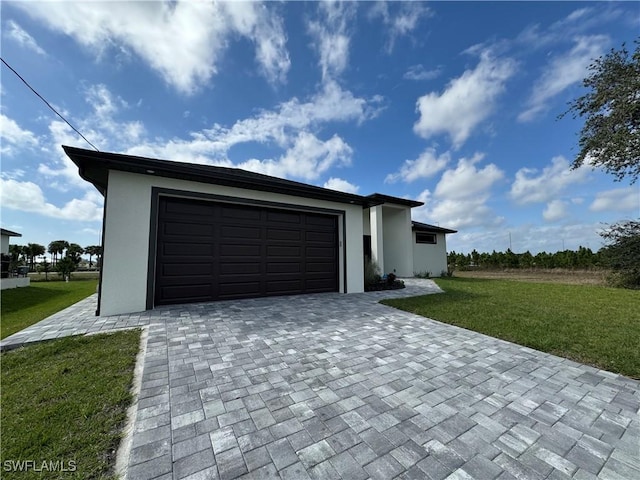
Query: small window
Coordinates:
[422,237]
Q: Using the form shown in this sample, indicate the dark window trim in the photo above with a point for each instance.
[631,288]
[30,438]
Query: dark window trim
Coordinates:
[424,241]
[157,192]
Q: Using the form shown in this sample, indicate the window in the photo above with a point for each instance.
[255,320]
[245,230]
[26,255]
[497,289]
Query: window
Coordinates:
[422,237]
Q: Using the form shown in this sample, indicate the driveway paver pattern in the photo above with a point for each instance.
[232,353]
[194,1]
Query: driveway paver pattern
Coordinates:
[337,386]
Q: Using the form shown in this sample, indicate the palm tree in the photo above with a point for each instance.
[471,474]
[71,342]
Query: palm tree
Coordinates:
[92,250]
[32,251]
[74,251]
[57,247]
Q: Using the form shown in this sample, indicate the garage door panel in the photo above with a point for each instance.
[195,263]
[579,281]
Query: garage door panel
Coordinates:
[213,251]
[192,229]
[187,249]
[239,212]
[182,269]
[284,234]
[239,232]
[239,268]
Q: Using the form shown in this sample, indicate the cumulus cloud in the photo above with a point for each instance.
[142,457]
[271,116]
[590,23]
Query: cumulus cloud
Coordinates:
[28,197]
[16,33]
[307,159]
[617,200]
[461,196]
[555,210]
[183,41]
[14,137]
[530,186]
[341,185]
[399,18]
[466,101]
[426,165]
[562,72]
[418,72]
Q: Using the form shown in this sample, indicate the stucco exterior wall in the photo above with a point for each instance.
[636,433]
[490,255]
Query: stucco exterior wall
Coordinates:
[4,244]
[398,254]
[126,236]
[428,257]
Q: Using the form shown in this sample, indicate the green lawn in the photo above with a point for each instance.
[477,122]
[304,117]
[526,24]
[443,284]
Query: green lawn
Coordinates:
[22,307]
[590,324]
[65,400]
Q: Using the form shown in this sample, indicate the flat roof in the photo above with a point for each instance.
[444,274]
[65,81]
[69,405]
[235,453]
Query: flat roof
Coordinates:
[94,167]
[9,233]
[425,227]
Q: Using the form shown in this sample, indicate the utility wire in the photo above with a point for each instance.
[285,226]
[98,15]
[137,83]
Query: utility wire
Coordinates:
[48,104]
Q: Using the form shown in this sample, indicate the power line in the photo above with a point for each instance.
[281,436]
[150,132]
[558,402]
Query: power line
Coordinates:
[48,104]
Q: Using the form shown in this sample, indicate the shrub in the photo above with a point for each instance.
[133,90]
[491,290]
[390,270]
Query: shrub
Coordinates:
[425,274]
[371,272]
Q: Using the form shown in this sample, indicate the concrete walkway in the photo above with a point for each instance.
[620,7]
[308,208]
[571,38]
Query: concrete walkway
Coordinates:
[338,386]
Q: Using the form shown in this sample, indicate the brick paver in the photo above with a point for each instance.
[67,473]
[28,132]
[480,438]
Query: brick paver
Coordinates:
[339,386]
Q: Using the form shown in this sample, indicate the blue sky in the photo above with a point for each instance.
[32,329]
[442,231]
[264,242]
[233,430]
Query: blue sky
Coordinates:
[451,103]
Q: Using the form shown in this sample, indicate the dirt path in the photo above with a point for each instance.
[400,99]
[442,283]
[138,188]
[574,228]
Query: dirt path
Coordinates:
[571,277]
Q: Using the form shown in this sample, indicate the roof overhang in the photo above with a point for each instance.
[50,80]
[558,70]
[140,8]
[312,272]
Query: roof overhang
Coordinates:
[425,227]
[9,233]
[380,198]
[94,167]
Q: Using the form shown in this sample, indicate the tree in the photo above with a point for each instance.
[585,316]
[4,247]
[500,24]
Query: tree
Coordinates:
[56,248]
[74,252]
[623,252]
[92,250]
[33,250]
[610,137]
[66,266]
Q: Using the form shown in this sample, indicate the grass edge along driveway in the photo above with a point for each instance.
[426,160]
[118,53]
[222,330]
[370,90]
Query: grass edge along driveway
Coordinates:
[25,306]
[66,401]
[594,325]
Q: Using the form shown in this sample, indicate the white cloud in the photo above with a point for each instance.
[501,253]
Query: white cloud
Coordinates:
[555,210]
[331,36]
[468,181]
[18,34]
[562,72]
[403,22]
[307,159]
[531,188]
[617,200]
[28,197]
[14,137]
[426,165]
[341,185]
[181,40]
[418,72]
[461,196]
[466,102]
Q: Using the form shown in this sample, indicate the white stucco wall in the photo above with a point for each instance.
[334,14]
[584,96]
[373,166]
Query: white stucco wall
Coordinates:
[398,254]
[126,236]
[428,257]
[4,244]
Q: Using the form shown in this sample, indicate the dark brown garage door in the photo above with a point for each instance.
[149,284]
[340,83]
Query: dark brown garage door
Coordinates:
[215,251]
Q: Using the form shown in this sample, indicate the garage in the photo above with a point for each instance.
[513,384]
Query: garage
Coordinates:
[208,251]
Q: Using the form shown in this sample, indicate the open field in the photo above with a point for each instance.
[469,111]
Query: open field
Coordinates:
[25,306]
[40,277]
[556,275]
[65,401]
[595,325]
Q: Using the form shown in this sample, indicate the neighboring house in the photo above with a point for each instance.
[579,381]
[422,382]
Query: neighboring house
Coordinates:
[6,280]
[177,232]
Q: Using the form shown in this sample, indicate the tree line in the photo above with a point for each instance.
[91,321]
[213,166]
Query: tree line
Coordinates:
[583,258]
[65,257]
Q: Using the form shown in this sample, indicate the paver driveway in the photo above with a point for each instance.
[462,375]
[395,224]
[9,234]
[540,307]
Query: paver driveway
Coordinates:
[338,386]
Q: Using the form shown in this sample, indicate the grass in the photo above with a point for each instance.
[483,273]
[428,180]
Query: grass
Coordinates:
[25,306]
[65,400]
[590,324]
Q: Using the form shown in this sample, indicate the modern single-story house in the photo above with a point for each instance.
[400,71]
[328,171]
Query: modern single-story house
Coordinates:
[6,280]
[176,232]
